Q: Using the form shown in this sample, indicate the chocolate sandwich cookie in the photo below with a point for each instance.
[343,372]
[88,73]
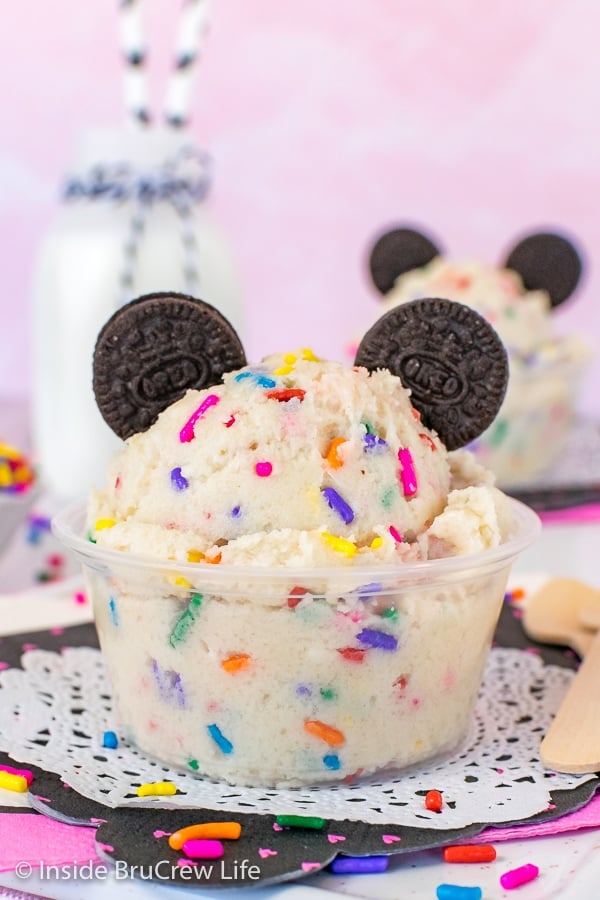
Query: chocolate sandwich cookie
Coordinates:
[397,251]
[451,359]
[549,262]
[154,349]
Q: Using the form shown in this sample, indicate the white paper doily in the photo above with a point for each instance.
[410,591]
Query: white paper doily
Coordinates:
[54,711]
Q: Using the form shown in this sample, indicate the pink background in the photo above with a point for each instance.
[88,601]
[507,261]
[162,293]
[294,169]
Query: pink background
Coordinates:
[327,121]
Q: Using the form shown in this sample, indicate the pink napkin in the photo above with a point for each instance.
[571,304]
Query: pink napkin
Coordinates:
[586,817]
[27,837]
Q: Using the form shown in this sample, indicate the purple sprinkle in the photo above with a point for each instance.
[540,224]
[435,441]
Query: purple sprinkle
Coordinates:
[355,865]
[178,481]
[379,639]
[367,591]
[236,512]
[338,505]
[374,444]
[170,686]
[303,690]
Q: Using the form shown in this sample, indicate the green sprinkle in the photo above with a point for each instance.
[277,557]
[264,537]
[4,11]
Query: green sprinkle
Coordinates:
[498,432]
[91,539]
[387,498]
[313,822]
[368,427]
[194,764]
[391,613]
[328,693]
[185,621]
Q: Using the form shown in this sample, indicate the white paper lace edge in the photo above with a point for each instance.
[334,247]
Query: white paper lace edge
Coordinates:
[56,709]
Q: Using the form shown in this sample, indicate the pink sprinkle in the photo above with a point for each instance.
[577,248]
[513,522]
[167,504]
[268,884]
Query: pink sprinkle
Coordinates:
[395,534]
[263,469]
[335,838]
[516,877]
[390,838]
[407,472]
[27,647]
[159,834]
[277,827]
[310,866]
[265,852]
[108,848]
[230,421]
[80,598]
[57,631]
[98,821]
[4,665]
[187,432]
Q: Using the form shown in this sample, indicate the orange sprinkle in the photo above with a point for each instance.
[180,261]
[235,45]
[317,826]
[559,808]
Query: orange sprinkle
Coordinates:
[517,594]
[415,414]
[332,456]
[213,560]
[326,733]
[229,831]
[236,662]
[428,440]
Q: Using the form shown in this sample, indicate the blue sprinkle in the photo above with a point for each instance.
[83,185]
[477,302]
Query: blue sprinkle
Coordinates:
[332,761]
[338,505]
[260,380]
[236,512]
[110,740]
[178,481]
[114,615]
[356,865]
[379,639]
[457,892]
[374,444]
[220,740]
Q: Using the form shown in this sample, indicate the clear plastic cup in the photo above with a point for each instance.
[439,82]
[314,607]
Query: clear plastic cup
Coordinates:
[280,676]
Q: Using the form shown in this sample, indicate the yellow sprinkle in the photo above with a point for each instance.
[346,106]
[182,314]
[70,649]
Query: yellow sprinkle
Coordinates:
[340,545]
[157,789]
[290,358]
[9,451]
[101,524]
[180,581]
[376,543]
[5,476]
[283,370]
[195,556]
[308,354]
[11,782]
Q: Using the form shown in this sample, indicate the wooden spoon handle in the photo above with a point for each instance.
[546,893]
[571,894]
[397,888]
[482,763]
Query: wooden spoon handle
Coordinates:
[572,743]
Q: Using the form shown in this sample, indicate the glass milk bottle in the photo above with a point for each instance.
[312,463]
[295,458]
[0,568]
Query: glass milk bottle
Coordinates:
[134,222]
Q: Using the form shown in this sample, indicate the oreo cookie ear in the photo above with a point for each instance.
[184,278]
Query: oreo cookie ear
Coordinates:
[451,359]
[397,251]
[547,261]
[152,350]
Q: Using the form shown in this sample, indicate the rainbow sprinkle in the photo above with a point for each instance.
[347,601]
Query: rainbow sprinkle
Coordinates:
[220,740]
[338,505]
[187,433]
[408,476]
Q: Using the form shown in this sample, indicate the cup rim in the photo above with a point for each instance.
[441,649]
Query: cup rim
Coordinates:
[67,525]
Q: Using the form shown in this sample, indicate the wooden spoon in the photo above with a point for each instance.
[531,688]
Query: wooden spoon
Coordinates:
[572,743]
[558,614]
